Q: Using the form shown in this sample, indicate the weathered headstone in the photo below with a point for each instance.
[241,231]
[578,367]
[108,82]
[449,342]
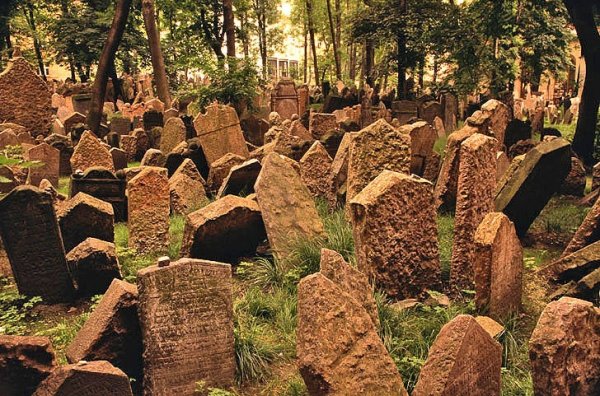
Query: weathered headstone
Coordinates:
[220,169]
[40,268]
[148,210]
[339,350]
[90,152]
[287,207]
[186,189]
[404,110]
[315,171]
[475,199]
[49,162]
[429,110]
[120,125]
[254,129]
[499,119]
[105,185]
[523,195]
[152,118]
[173,134]
[321,123]
[450,109]
[587,233]
[241,179]
[93,264]
[119,158]
[225,230]
[97,378]
[463,360]
[112,332]
[72,120]
[422,138]
[497,266]
[374,149]
[564,349]
[574,183]
[395,234]
[129,144]
[25,97]
[65,148]
[186,317]
[154,157]
[219,133]
[284,99]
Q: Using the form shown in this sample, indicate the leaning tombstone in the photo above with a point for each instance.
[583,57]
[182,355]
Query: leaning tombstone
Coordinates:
[241,179]
[186,318]
[186,189]
[173,133]
[422,139]
[315,171]
[93,264]
[499,119]
[48,159]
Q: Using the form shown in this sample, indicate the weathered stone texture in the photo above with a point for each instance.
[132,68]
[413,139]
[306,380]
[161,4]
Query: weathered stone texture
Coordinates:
[587,233]
[25,97]
[284,99]
[186,317]
[186,189]
[220,169]
[94,264]
[395,234]
[499,117]
[475,199]
[90,152]
[241,179]
[173,134]
[49,159]
[574,183]
[422,138]
[339,350]
[320,124]
[464,360]
[564,349]
[315,171]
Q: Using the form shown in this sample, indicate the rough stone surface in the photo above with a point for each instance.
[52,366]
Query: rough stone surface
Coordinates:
[220,169]
[148,210]
[98,378]
[564,349]
[284,99]
[524,193]
[339,170]
[587,233]
[8,138]
[463,360]
[219,133]
[186,317]
[224,230]
[186,189]
[493,328]
[94,264]
[422,138]
[573,266]
[154,157]
[499,117]
[241,179]
[395,234]
[7,173]
[49,158]
[502,165]
[287,207]
[84,216]
[112,332]
[173,134]
[315,171]
[129,144]
[574,183]
[497,266]
[119,157]
[377,147]
[339,350]
[25,97]
[24,363]
[321,123]
[475,199]
[40,268]
[90,152]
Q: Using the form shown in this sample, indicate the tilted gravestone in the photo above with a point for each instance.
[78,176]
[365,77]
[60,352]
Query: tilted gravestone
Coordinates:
[422,140]
[32,240]
[186,317]
[48,167]
[241,179]
[173,134]
[284,99]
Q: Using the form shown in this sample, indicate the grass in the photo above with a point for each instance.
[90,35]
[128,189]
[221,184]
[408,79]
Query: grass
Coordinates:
[561,215]
[445,223]
[64,185]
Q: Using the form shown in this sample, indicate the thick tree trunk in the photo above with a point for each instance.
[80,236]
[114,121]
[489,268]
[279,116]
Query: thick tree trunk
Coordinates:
[107,58]
[158,62]
[334,41]
[369,61]
[118,92]
[36,43]
[401,57]
[582,16]
[313,44]
[305,66]
[229,27]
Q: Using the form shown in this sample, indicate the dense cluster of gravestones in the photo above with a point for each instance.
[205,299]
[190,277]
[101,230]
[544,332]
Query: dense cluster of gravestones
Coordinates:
[248,185]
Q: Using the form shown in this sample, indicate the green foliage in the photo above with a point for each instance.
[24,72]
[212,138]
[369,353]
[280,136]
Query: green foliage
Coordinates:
[15,310]
[445,223]
[561,215]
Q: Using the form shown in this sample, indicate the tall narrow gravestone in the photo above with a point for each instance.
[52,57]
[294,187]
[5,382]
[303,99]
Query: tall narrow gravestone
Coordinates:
[48,167]
[186,317]
[284,100]
[32,240]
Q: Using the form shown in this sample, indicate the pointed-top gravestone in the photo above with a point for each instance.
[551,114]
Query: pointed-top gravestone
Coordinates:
[173,134]
[32,239]
[315,170]
[90,152]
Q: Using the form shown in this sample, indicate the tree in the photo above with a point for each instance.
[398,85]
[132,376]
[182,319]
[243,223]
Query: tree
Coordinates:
[311,34]
[582,16]
[28,11]
[335,41]
[107,58]
[158,63]
[229,27]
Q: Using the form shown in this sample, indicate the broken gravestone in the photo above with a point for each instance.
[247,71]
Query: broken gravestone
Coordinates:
[315,171]
[93,264]
[241,179]
[186,317]
[186,189]
[395,234]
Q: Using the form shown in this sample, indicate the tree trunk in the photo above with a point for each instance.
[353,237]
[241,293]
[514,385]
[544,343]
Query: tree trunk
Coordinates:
[158,62]
[36,43]
[107,58]
[229,28]
[352,63]
[582,16]
[118,92]
[305,66]
[334,41]
[313,45]
[369,61]
[401,57]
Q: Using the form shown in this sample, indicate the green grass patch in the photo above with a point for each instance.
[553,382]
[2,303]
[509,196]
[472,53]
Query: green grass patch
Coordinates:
[561,215]
[445,223]
[64,185]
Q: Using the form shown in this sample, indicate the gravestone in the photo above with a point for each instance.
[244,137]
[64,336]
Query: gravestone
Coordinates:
[8,138]
[574,183]
[499,119]
[119,158]
[72,120]
[374,149]
[151,119]
[81,103]
[25,137]
[587,233]
[98,378]
[339,170]
[186,317]
[497,266]
[254,129]
[422,138]
[129,144]
[155,104]
[170,113]
[105,185]
[65,148]
[154,157]
[49,159]
[220,169]
[429,110]
[24,363]
[303,99]
[321,124]
[438,125]
[93,264]
[112,332]
[523,194]
[241,179]
[148,210]
[474,200]
[225,230]
[219,133]
[284,99]
[120,125]
[90,152]
[288,209]
[40,268]
[463,360]
[186,189]
[395,234]
[25,97]
[315,171]
[173,134]
[404,110]
[339,350]
[85,216]
[450,110]
[564,350]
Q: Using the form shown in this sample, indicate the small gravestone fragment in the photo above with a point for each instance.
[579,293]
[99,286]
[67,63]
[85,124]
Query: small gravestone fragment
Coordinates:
[220,169]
